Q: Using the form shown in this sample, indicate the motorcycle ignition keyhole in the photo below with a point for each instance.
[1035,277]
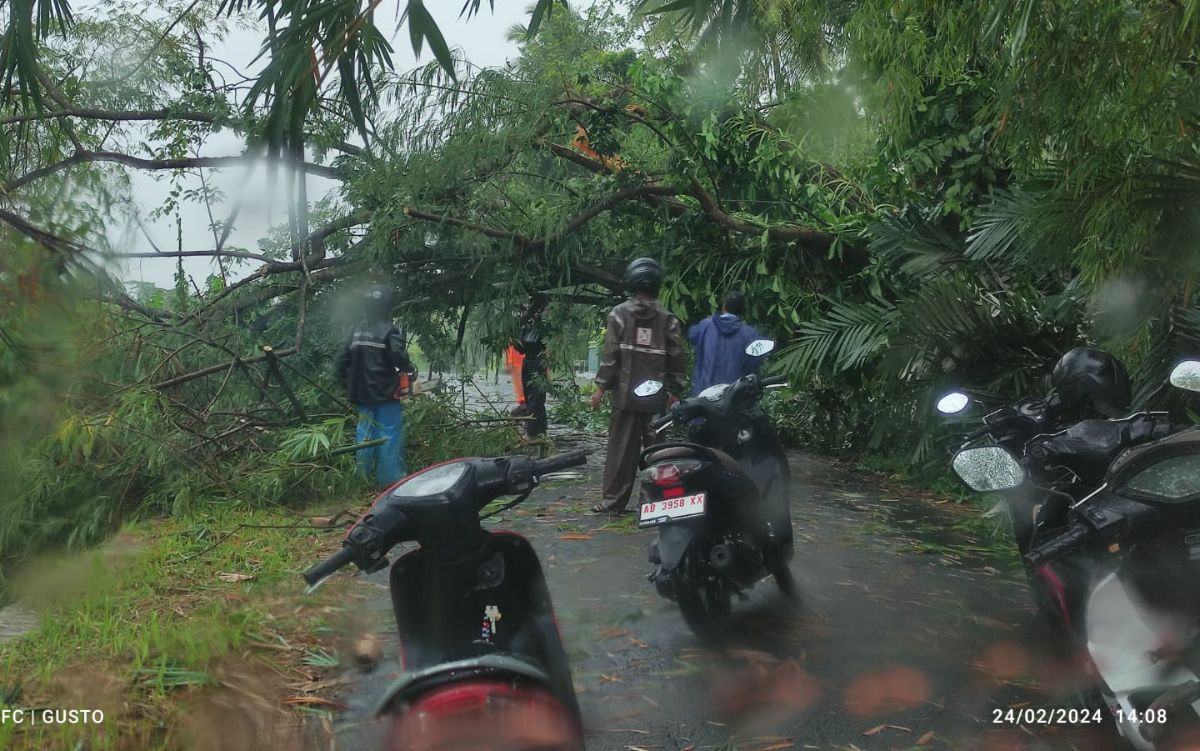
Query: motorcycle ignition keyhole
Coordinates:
[491,572]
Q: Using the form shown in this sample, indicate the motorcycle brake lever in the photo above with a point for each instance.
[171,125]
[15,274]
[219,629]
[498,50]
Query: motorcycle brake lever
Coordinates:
[317,584]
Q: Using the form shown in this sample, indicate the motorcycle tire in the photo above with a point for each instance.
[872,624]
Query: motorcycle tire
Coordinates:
[706,613]
[785,579]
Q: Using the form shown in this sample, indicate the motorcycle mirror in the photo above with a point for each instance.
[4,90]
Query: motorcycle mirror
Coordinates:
[953,403]
[759,347]
[648,388]
[988,468]
[1186,375]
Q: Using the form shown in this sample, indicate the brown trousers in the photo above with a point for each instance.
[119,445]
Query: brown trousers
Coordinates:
[628,432]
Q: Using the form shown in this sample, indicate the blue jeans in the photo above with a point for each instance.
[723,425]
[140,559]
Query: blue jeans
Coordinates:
[384,463]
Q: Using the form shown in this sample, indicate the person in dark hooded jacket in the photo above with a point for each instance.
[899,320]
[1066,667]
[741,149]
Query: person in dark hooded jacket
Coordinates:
[720,345]
[642,342]
[369,364]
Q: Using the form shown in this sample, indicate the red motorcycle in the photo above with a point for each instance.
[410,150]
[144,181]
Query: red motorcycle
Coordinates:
[484,667]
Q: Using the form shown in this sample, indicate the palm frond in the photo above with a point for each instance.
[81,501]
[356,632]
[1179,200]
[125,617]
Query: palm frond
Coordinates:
[28,22]
[847,336]
[920,248]
[1024,222]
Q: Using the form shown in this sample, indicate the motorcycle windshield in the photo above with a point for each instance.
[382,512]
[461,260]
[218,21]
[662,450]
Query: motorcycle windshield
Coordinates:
[1164,471]
[1175,479]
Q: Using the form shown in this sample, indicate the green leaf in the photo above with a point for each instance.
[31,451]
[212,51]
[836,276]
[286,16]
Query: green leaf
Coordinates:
[543,9]
[421,28]
[670,7]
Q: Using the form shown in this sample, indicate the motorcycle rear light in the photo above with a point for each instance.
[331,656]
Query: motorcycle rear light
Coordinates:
[669,474]
[674,492]
[485,717]
[467,697]
[666,475]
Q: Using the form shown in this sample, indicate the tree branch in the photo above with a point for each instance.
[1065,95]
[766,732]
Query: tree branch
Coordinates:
[114,115]
[805,235]
[218,368]
[197,254]
[81,157]
[574,224]
[316,239]
[571,155]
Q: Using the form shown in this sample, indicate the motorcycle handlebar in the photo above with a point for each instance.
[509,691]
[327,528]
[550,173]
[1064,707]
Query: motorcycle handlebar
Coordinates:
[561,461]
[330,565]
[977,433]
[659,422]
[778,380]
[1059,546]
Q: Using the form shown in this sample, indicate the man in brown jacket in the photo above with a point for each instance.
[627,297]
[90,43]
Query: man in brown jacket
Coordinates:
[643,342]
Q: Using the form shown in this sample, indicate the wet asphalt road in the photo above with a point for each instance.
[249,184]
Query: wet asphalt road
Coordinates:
[905,633]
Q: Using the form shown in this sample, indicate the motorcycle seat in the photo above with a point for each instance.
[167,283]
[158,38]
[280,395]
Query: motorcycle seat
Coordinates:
[682,452]
[498,666]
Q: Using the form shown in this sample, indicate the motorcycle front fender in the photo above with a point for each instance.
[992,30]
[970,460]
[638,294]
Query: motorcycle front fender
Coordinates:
[673,541]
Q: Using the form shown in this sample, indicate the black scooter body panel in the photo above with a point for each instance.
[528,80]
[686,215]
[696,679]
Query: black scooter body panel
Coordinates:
[440,609]
[674,540]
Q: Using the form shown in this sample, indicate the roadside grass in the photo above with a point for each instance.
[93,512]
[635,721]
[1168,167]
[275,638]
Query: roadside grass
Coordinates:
[175,624]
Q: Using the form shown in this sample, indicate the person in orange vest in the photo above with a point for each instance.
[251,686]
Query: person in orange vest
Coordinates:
[513,360]
[534,371]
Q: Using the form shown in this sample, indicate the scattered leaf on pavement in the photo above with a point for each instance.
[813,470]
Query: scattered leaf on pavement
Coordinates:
[368,651]
[313,701]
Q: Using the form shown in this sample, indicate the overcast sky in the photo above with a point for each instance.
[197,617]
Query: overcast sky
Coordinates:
[484,40]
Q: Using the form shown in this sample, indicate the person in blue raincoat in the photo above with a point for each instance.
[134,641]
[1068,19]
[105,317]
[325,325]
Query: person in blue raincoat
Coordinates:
[370,364]
[720,345]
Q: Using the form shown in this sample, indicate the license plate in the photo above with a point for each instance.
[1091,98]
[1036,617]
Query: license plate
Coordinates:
[664,509]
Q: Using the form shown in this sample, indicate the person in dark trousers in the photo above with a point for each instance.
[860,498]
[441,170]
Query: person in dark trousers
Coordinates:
[643,342]
[369,364]
[534,370]
[720,346]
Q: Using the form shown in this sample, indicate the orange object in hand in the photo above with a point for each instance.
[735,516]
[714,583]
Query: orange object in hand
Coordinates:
[403,386]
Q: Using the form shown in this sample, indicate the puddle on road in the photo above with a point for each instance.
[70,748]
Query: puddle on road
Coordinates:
[958,537]
[15,622]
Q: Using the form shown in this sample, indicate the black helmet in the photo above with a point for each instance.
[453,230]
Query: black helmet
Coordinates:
[377,301]
[1087,376]
[643,275]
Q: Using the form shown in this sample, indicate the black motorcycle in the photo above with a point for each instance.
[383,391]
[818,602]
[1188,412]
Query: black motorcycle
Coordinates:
[484,667]
[1124,559]
[1062,463]
[720,501]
